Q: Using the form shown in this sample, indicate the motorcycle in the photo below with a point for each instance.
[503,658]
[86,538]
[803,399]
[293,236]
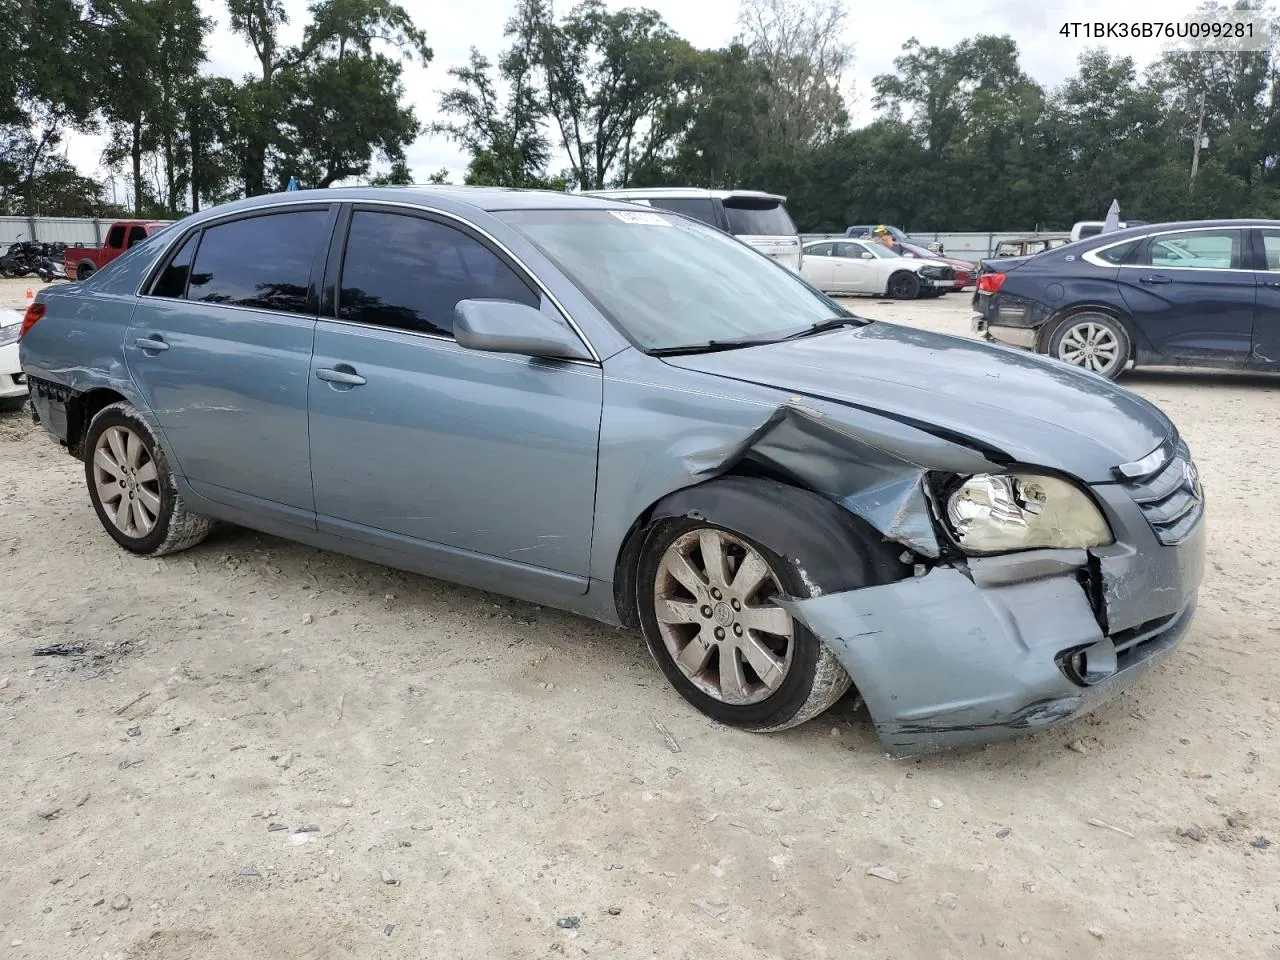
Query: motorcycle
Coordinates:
[28,257]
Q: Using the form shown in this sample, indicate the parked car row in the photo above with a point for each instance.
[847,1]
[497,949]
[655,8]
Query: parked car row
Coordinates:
[786,499]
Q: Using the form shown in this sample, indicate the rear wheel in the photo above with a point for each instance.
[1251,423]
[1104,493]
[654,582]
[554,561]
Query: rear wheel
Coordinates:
[904,285]
[1093,340]
[132,488]
[84,271]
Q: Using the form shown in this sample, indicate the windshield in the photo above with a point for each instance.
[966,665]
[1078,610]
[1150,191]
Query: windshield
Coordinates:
[751,217]
[668,282]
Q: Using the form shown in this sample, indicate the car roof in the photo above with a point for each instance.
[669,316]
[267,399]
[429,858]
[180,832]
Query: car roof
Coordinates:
[455,198]
[677,192]
[1142,230]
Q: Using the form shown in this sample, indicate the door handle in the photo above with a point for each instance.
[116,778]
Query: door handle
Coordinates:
[342,374]
[151,344]
[1152,280]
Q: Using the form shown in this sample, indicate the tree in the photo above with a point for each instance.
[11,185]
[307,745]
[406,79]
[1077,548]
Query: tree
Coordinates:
[802,45]
[338,93]
[605,73]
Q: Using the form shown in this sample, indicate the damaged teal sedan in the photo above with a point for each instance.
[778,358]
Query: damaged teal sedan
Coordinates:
[623,413]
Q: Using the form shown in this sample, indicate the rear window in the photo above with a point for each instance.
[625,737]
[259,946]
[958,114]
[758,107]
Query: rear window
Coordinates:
[749,217]
[699,208]
[262,262]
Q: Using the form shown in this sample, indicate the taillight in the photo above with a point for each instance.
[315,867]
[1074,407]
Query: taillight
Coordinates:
[991,282]
[34,313]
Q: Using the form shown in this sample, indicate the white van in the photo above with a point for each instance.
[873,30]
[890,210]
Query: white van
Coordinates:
[1091,228]
[759,219]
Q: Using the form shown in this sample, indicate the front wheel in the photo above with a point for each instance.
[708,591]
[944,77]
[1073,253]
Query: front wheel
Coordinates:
[132,487]
[706,605]
[1094,341]
[904,285]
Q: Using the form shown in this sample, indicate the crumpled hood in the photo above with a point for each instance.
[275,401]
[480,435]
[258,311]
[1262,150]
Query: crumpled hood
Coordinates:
[1032,409]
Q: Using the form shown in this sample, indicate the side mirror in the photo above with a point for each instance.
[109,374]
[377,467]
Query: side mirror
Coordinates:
[503,326]
[864,255]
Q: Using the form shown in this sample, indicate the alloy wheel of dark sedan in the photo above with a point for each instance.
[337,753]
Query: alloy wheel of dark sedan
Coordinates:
[1093,341]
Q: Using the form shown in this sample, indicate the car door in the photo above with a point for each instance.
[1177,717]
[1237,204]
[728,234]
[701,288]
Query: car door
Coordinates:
[1266,317]
[816,265]
[220,347]
[1190,294]
[425,444]
[857,269]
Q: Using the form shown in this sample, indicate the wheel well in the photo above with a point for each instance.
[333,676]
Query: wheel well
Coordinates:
[80,412]
[1058,319]
[626,567]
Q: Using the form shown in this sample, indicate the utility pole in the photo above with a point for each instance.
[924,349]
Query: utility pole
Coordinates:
[1195,154]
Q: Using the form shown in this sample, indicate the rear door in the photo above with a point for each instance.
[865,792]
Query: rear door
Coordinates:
[819,265]
[1266,318]
[1190,294]
[764,223]
[220,347]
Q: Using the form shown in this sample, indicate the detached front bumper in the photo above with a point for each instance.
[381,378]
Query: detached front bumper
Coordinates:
[996,647]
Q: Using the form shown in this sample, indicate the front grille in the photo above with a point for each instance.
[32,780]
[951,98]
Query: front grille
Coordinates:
[1170,498]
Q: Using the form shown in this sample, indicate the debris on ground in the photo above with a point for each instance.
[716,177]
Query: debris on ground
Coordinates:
[1078,746]
[49,811]
[60,650]
[248,872]
[1192,833]
[672,744]
[389,878]
[568,923]
[715,911]
[120,901]
[615,911]
[884,873]
[275,827]
[935,803]
[1095,822]
[1003,832]
[775,806]
[1261,843]
[388,929]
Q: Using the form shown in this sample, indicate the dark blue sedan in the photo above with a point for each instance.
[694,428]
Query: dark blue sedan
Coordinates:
[1204,293]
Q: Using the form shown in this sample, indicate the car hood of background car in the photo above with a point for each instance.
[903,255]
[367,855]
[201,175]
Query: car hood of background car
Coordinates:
[1033,410]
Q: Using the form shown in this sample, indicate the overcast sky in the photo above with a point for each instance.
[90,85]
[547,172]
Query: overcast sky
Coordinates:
[878,28]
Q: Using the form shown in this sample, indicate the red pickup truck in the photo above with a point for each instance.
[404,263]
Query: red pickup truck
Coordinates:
[80,263]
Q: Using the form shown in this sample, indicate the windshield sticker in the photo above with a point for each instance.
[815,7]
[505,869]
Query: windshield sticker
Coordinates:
[642,219]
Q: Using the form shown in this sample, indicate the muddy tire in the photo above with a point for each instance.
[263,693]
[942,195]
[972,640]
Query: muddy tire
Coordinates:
[132,488]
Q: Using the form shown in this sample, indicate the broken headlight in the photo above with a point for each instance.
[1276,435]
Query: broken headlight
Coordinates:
[998,513]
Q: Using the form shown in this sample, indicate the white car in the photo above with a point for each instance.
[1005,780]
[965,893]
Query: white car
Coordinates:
[13,385]
[862,266]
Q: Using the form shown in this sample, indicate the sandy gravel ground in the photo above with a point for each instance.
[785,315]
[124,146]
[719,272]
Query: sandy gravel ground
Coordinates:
[476,769]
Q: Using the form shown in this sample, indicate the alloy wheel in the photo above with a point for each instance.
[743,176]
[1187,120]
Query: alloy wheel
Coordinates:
[126,481]
[1091,345]
[713,602]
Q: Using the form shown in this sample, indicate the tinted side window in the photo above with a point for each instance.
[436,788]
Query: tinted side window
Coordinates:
[1120,253]
[699,208]
[172,281]
[115,236]
[820,250]
[137,235]
[850,251]
[408,273]
[262,262]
